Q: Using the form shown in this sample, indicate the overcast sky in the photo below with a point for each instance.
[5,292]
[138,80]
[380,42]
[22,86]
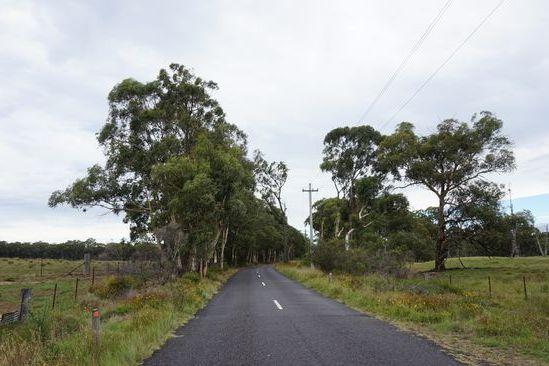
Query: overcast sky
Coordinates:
[288,72]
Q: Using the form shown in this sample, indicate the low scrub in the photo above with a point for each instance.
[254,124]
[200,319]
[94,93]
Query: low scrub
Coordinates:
[332,256]
[116,286]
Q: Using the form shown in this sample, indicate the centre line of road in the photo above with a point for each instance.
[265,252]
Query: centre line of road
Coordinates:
[262,283]
[277,304]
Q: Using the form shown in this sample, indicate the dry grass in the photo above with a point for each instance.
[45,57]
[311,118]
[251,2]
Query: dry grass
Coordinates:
[503,328]
[136,318]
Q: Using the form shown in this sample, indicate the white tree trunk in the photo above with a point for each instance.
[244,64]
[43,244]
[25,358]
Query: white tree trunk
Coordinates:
[541,250]
[223,243]
[348,239]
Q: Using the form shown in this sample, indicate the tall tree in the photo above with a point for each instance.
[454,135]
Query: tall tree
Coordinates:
[328,217]
[149,124]
[349,153]
[270,180]
[350,156]
[455,155]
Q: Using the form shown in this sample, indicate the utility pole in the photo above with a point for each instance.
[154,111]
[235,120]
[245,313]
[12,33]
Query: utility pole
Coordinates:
[310,191]
[514,246]
[546,234]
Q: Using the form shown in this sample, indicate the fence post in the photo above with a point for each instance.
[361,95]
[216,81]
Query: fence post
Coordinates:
[54,295]
[24,308]
[118,267]
[86,268]
[489,287]
[93,275]
[450,280]
[524,283]
[76,290]
[95,332]
[41,267]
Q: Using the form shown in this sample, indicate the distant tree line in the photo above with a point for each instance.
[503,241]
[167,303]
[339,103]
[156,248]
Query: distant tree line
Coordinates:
[75,250]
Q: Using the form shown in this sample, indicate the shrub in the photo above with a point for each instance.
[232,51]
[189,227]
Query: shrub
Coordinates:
[193,277]
[327,254]
[114,286]
[332,256]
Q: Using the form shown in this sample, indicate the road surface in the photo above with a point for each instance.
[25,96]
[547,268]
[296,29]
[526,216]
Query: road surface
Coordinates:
[261,317]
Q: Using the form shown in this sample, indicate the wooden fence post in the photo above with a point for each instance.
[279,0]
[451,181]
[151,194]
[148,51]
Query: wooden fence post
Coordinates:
[450,280]
[54,295]
[93,275]
[524,283]
[489,287]
[41,267]
[76,290]
[24,309]
[86,268]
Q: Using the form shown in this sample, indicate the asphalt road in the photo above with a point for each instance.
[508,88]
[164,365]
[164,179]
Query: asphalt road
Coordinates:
[261,317]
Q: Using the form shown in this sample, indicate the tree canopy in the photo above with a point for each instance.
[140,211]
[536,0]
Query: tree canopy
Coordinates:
[179,172]
[370,213]
[454,157]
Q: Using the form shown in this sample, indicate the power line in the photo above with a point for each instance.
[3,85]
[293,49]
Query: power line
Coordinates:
[456,50]
[403,63]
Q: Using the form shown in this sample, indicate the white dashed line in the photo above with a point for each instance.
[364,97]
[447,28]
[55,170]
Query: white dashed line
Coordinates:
[262,283]
[277,304]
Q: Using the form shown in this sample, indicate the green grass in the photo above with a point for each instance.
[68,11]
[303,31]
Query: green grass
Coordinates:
[132,325]
[16,274]
[461,314]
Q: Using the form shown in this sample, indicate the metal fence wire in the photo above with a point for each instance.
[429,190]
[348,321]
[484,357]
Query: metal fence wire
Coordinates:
[91,273]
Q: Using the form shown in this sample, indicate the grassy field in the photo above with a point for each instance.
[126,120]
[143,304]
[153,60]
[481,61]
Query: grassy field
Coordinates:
[41,276]
[137,316]
[456,308]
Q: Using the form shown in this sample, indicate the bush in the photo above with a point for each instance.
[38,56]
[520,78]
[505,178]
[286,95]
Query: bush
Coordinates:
[326,254]
[115,286]
[332,256]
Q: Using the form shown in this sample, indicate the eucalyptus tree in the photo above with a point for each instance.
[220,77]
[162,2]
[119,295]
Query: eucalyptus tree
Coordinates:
[349,153]
[455,155]
[349,156]
[270,180]
[149,124]
[329,217]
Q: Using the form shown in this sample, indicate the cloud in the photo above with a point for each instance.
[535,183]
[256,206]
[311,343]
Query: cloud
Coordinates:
[288,73]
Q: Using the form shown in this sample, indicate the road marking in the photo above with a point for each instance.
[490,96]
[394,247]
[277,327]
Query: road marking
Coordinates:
[277,304]
[258,275]
[262,283]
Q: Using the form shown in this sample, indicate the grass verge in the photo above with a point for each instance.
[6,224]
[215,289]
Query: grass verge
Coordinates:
[502,328]
[135,319]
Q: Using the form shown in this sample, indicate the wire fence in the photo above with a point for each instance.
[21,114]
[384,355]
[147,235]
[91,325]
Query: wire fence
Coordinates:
[61,289]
